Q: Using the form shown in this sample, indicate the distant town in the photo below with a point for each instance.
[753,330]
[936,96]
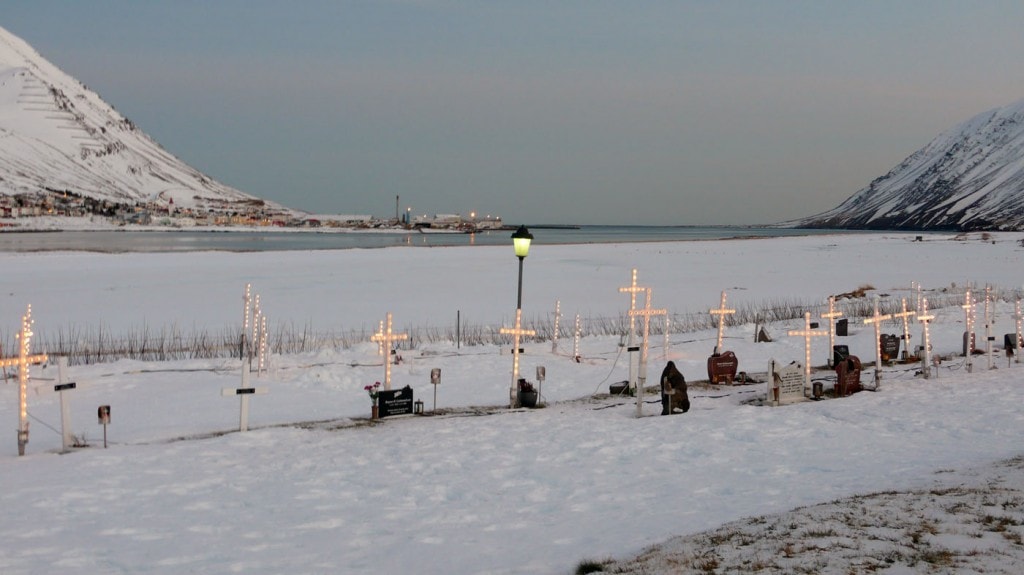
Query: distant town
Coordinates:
[220,213]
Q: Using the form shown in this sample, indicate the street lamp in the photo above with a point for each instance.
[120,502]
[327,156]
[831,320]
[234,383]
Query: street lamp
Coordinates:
[521,243]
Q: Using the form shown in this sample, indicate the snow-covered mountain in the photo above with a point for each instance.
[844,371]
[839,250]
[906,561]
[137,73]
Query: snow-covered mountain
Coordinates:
[56,135]
[970,177]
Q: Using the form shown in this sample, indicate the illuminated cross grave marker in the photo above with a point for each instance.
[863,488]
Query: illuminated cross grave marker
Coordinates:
[905,316]
[516,332]
[576,340]
[23,361]
[807,333]
[968,348]
[988,325]
[632,289]
[926,357]
[721,312]
[554,332]
[877,319]
[387,338]
[1018,344]
[646,312]
[830,317]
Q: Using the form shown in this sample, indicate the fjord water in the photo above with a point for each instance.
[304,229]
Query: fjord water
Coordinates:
[285,240]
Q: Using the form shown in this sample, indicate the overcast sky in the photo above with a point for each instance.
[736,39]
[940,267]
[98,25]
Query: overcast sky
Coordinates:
[591,112]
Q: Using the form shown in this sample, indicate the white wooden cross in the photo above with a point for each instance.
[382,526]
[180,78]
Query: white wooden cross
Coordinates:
[905,316]
[924,317]
[66,435]
[721,312]
[807,333]
[830,317]
[877,319]
[646,312]
[387,337]
[515,332]
[243,392]
[632,289]
[23,361]
[968,306]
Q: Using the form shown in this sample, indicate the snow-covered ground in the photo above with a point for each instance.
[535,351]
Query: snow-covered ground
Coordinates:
[314,487]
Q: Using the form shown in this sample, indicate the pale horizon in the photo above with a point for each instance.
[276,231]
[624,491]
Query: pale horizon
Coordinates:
[597,113]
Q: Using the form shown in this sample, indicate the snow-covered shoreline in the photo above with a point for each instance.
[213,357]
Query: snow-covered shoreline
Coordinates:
[314,488]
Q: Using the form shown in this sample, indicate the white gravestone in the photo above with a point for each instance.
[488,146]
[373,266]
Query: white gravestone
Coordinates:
[789,381]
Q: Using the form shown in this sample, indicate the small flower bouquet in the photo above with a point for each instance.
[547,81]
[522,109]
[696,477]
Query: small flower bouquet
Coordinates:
[373,391]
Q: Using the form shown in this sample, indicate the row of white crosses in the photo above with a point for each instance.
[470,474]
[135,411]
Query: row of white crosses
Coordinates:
[252,344]
[638,377]
[23,360]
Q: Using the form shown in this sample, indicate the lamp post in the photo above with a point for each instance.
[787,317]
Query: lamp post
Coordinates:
[521,243]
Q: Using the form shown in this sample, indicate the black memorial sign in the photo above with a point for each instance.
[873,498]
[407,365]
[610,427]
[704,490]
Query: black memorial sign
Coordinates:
[64,386]
[889,344]
[394,402]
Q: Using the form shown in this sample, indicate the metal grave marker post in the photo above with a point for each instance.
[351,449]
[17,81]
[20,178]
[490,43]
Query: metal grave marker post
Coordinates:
[831,318]
[103,415]
[646,313]
[807,333]
[515,332]
[632,289]
[387,337]
[67,439]
[877,319]
[435,380]
[23,361]
[721,312]
[905,316]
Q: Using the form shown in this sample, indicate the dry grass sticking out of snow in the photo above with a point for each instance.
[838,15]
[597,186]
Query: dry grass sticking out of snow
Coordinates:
[967,522]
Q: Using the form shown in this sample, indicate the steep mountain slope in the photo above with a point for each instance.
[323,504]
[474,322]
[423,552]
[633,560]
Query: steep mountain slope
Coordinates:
[970,177]
[56,135]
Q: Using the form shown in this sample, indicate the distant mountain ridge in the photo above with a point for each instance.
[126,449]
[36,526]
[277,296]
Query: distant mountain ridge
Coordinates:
[970,177]
[57,136]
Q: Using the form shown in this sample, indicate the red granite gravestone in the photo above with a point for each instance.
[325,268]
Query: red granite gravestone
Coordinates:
[848,377]
[722,367]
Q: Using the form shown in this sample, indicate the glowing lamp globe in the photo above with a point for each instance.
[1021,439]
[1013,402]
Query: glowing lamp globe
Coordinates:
[521,242]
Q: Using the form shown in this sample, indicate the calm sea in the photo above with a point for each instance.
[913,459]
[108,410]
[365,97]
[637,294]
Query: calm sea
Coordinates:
[186,241]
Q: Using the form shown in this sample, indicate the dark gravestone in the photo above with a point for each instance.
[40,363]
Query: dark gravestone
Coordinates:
[889,346]
[848,376]
[842,328]
[394,402]
[839,353]
[722,367]
[968,343]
